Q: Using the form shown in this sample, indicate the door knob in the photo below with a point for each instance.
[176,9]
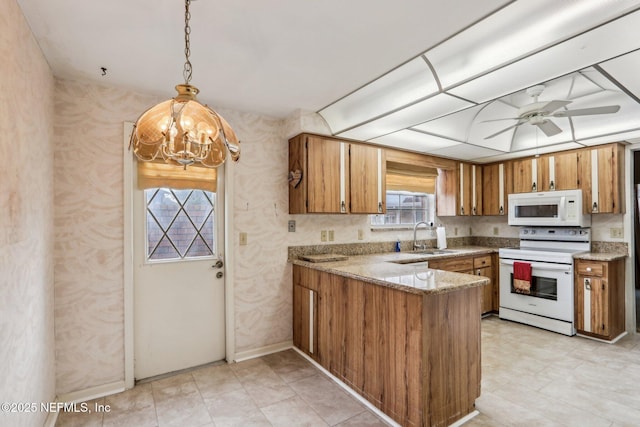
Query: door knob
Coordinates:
[219,274]
[218,264]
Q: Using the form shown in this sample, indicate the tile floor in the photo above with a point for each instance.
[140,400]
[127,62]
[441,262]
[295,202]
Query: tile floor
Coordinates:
[530,377]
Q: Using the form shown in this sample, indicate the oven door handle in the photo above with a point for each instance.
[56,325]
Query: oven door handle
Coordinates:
[541,266]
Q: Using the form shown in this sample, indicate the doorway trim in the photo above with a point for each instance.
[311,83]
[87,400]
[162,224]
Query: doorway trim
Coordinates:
[629,237]
[128,166]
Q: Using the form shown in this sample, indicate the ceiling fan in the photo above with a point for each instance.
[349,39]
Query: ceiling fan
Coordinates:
[538,113]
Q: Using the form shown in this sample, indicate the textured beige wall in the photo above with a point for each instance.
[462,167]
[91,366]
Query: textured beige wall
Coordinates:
[89,214]
[27,370]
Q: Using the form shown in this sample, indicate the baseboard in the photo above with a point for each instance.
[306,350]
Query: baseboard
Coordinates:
[613,341]
[349,390]
[83,396]
[51,419]
[92,392]
[262,351]
[464,419]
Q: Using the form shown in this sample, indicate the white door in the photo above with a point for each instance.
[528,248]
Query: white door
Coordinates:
[179,317]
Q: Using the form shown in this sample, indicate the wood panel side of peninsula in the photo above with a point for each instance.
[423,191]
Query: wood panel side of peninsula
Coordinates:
[414,356]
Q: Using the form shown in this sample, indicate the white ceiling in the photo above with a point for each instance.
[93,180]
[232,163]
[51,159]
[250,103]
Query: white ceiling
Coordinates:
[416,74]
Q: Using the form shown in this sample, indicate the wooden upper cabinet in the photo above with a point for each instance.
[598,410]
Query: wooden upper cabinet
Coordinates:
[335,176]
[326,175]
[601,178]
[459,190]
[525,175]
[367,167]
[447,192]
[495,187]
[558,171]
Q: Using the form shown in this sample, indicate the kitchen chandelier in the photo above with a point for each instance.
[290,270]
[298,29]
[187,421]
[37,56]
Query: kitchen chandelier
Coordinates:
[182,130]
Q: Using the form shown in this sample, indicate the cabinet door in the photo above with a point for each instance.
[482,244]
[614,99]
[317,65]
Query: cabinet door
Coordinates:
[600,175]
[592,305]
[494,189]
[305,319]
[487,291]
[447,189]
[525,175]
[327,171]
[367,179]
[563,173]
[465,191]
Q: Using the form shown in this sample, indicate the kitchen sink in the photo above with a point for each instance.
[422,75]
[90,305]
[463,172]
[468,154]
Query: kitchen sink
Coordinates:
[434,251]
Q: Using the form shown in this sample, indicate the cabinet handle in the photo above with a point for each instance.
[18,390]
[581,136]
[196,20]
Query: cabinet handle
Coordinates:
[478,272]
[379,207]
[534,187]
[595,207]
[501,210]
[461,210]
[552,186]
[587,284]
[474,210]
[343,207]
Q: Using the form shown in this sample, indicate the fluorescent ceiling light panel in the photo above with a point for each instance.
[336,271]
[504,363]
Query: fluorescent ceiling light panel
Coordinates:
[415,141]
[625,70]
[453,126]
[613,39]
[400,87]
[627,118]
[532,152]
[621,136]
[420,112]
[465,152]
[517,30]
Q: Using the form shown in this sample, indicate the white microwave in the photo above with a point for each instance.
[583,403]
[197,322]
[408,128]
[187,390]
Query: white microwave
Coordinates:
[548,208]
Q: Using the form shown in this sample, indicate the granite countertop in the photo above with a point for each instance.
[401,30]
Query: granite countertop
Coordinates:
[601,256]
[405,270]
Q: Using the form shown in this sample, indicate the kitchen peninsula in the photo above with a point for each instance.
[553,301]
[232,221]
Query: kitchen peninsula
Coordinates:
[405,337]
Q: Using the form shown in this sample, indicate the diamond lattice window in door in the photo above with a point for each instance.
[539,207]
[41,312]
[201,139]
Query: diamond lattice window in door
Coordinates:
[180,224]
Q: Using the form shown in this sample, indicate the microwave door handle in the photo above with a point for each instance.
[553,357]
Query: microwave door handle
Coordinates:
[562,211]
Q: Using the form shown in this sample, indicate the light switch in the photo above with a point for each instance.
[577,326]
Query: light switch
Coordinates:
[243,239]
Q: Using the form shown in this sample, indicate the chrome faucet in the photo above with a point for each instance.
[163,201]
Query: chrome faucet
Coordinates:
[415,230]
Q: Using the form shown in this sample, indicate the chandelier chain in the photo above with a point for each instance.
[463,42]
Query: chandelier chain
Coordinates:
[186,73]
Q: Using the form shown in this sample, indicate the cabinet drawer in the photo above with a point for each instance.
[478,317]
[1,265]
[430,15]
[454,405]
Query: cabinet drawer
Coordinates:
[482,261]
[453,264]
[586,268]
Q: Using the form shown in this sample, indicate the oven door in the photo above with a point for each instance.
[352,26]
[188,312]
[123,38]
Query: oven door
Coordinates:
[551,292]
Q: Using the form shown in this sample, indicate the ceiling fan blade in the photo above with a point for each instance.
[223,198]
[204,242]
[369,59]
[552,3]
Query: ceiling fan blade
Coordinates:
[504,130]
[499,120]
[609,109]
[549,128]
[554,105]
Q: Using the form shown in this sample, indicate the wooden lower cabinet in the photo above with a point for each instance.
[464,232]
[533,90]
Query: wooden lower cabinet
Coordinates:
[414,356]
[599,298]
[481,265]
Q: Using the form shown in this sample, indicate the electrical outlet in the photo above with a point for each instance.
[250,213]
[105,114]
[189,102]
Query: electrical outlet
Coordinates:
[332,236]
[243,239]
[360,234]
[470,233]
[496,231]
[323,236]
[615,233]
[292,226]
[455,231]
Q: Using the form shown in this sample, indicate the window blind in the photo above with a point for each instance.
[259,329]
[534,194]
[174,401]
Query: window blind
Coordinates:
[161,174]
[406,177]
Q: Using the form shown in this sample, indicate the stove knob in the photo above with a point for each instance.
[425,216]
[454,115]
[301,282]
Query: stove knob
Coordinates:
[572,232]
[533,231]
[525,231]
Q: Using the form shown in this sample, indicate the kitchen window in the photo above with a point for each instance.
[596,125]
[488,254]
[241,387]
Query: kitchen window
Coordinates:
[406,208]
